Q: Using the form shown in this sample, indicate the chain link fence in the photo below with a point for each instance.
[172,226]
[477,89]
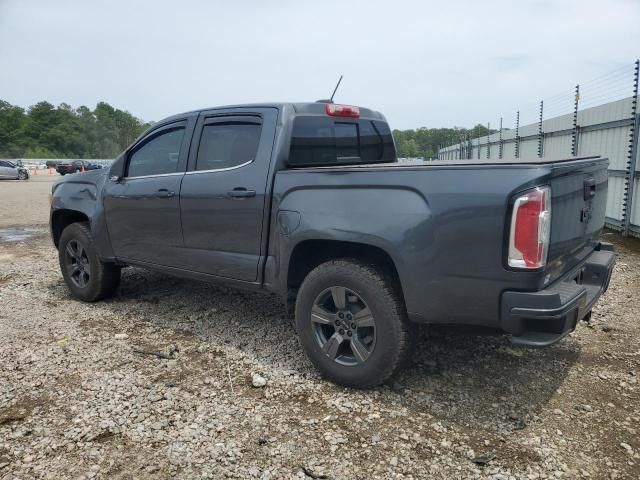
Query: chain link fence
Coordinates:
[598,117]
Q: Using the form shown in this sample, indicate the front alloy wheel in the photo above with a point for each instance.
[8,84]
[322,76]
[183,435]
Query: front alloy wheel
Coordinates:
[77,263]
[88,278]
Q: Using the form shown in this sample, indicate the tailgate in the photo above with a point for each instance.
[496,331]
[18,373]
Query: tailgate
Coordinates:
[579,197]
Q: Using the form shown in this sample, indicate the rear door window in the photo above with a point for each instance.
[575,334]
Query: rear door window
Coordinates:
[318,141]
[227,144]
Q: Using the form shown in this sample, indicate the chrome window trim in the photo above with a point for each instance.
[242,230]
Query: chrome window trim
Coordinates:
[154,176]
[157,131]
[192,172]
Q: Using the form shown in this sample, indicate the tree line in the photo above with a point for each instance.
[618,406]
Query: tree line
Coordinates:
[46,131]
[425,142]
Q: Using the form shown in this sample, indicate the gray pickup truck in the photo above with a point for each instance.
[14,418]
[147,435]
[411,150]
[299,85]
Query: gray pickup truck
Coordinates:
[309,201]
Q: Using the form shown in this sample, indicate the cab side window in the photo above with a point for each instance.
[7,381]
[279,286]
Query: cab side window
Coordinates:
[226,145]
[157,156]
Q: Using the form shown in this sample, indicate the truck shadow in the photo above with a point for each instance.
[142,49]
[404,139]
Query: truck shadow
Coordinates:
[475,377]
[456,374]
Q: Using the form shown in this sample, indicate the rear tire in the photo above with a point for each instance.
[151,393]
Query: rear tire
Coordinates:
[88,278]
[352,323]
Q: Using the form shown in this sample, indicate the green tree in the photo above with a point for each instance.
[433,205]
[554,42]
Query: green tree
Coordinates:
[12,123]
[46,131]
[425,142]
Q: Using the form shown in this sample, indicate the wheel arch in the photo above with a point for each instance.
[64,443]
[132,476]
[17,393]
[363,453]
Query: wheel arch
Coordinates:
[308,254]
[61,219]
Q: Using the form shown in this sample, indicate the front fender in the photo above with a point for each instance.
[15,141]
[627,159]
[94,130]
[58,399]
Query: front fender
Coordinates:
[77,196]
[82,193]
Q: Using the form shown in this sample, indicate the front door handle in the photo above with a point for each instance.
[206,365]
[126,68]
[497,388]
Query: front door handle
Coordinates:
[165,193]
[241,192]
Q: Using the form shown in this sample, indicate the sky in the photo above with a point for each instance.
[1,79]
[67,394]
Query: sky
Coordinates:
[421,63]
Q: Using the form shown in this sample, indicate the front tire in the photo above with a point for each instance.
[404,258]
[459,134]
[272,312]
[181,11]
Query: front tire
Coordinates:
[22,175]
[352,323]
[88,278]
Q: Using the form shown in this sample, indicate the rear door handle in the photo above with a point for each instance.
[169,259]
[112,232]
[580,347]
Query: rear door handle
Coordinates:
[165,193]
[241,192]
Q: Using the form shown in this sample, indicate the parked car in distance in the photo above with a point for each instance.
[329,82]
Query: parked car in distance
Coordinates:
[52,163]
[13,171]
[308,200]
[76,166]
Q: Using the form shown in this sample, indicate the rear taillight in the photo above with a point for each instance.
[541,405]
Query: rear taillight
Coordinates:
[530,229]
[343,110]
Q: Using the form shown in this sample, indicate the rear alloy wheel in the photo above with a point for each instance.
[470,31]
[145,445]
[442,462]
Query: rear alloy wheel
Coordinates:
[344,326]
[88,278]
[352,323]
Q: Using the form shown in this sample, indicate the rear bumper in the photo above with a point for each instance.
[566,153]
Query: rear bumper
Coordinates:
[544,317]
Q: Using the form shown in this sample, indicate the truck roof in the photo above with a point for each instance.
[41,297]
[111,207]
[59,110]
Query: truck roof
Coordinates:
[297,108]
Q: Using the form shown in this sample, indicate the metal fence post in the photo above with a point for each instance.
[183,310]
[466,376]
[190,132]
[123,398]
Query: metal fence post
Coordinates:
[574,139]
[488,140]
[518,134]
[466,145]
[630,173]
[540,133]
[501,146]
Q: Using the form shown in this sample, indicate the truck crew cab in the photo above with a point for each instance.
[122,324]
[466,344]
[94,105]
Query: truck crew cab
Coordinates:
[309,201]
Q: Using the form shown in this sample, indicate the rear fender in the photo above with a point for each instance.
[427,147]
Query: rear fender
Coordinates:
[366,216]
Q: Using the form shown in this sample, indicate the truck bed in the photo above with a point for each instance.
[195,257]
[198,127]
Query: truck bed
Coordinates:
[445,223]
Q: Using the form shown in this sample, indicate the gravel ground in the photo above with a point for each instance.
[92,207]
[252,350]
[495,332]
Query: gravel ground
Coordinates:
[174,378]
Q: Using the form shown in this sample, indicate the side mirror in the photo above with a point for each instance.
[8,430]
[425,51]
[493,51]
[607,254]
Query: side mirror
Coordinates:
[116,172]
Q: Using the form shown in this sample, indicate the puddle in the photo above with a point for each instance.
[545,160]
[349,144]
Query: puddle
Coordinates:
[16,234]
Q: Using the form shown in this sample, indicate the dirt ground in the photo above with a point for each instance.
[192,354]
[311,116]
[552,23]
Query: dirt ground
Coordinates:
[26,202]
[157,383]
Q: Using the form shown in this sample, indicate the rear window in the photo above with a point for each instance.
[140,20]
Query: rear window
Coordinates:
[318,141]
